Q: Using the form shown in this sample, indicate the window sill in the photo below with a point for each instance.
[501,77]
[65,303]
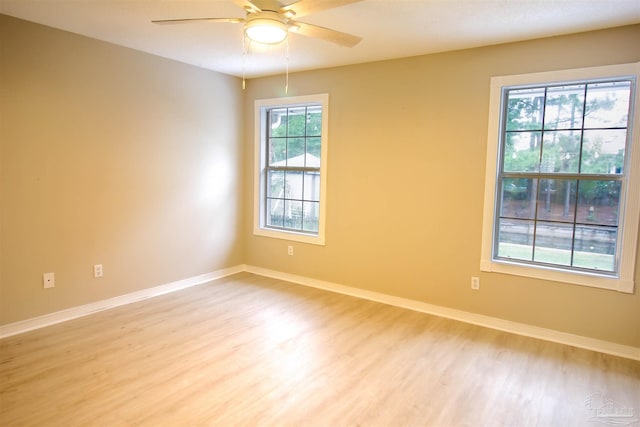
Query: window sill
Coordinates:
[548,273]
[289,235]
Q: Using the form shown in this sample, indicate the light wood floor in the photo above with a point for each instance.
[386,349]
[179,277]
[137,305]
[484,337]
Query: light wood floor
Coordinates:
[248,350]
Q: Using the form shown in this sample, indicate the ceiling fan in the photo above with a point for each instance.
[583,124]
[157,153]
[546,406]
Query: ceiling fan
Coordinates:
[269,21]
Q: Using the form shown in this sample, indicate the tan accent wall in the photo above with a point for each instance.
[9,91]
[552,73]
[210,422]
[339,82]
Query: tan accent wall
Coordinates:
[111,156]
[407,147]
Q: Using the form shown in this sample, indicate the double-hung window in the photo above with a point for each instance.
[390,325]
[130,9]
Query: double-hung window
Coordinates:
[290,185]
[563,177]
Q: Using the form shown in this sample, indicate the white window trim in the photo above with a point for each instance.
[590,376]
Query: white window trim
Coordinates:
[261,105]
[625,281]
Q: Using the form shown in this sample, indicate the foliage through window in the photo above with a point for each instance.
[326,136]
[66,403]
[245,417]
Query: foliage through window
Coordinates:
[562,169]
[292,193]
[563,194]
[291,153]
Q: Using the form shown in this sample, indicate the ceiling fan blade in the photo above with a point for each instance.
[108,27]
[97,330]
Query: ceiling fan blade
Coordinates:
[306,7]
[343,39]
[247,5]
[192,20]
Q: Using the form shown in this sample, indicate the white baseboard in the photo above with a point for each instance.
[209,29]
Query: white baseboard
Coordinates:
[601,346]
[615,349]
[84,310]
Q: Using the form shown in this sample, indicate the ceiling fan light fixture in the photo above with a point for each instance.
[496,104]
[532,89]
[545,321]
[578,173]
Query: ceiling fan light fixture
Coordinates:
[266,27]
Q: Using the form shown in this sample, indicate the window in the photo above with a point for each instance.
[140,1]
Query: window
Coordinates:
[561,201]
[291,159]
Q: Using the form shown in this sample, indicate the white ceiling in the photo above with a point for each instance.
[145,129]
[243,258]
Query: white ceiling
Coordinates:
[389,28]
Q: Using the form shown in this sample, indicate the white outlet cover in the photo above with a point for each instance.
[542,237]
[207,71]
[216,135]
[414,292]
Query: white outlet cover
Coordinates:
[48,280]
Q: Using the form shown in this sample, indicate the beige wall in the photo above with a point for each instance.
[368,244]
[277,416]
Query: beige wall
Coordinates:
[406,181]
[110,156]
[113,156]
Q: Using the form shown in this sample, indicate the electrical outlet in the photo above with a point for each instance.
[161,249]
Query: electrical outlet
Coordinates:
[48,280]
[475,283]
[290,250]
[97,270]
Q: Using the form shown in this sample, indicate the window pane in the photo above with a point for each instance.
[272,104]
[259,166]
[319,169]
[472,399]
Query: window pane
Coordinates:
[518,198]
[293,187]
[297,121]
[557,200]
[311,214]
[524,109]
[595,248]
[277,151]
[311,186]
[314,121]
[293,214]
[275,184]
[598,202]
[295,152]
[603,151]
[607,105]
[313,149]
[564,106]
[275,212]
[515,239]
[278,122]
[560,152]
[553,243]
[522,152]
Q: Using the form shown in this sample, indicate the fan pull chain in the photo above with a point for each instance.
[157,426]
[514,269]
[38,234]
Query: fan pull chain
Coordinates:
[244,56]
[286,85]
